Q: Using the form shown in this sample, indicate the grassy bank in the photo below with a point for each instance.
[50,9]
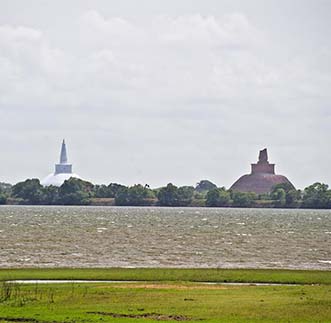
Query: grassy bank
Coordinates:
[174,275]
[167,302]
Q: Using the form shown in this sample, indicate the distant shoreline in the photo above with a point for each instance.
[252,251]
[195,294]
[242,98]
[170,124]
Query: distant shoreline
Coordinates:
[163,206]
[75,191]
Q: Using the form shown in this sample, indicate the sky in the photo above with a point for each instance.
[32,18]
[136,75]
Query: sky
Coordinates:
[155,91]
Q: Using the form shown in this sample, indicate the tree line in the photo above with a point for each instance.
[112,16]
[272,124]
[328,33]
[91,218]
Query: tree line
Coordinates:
[79,192]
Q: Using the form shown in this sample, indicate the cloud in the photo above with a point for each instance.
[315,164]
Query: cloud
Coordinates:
[18,35]
[217,83]
[168,59]
[232,31]
[31,68]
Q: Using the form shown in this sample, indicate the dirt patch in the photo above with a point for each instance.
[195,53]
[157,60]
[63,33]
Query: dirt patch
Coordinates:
[24,320]
[167,286]
[151,316]
[18,319]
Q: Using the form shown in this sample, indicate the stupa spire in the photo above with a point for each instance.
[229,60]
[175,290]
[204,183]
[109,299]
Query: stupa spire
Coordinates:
[263,166]
[63,167]
[63,156]
[263,157]
[63,170]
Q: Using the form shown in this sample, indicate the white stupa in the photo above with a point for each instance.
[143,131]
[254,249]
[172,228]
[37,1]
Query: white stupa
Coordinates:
[63,170]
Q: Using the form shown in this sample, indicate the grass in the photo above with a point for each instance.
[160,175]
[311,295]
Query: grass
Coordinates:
[171,274]
[166,295]
[152,302]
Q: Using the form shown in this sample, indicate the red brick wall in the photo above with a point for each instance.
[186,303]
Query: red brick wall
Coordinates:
[263,168]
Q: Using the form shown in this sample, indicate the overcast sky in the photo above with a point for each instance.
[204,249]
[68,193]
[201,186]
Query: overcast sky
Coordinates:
[154,91]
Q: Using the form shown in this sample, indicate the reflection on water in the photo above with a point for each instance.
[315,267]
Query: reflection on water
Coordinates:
[164,237]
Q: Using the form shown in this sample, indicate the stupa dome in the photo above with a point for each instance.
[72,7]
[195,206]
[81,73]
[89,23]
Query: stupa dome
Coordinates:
[63,170]
[262,177]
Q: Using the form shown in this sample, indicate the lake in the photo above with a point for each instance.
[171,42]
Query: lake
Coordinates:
[164,237]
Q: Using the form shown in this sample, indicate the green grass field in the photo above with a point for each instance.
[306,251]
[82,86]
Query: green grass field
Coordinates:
[167,295]
[171,274]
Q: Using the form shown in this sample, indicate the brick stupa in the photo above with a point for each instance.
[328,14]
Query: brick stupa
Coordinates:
[262,177]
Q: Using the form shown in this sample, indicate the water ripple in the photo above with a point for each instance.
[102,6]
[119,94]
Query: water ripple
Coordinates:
[164,237]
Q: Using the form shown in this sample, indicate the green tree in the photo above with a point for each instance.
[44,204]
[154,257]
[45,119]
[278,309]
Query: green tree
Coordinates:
[171,195]
[3,199]
[5,188]
[243,199]
[75,191]
[122,196]
[279,196]
[198,196]
[218,197]
[264,196]
[100,191]
[31,191]
[113,189]
[205,186]
[136,195]
[168,196]
[185,195]
[292,196]
[140,195]
[317,196]
[51,195]
[5,191]
[104,191]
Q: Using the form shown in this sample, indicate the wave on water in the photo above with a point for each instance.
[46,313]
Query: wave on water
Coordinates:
[164,237]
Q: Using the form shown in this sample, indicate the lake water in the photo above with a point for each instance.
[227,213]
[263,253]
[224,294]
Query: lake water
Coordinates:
[164,237]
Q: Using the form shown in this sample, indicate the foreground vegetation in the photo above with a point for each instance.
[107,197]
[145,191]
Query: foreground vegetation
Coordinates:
[169,300]
[78,192]
[172,274]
